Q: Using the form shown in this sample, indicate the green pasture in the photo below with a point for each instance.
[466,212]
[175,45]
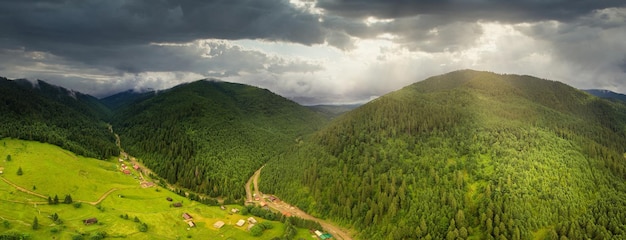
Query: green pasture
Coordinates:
[53,170]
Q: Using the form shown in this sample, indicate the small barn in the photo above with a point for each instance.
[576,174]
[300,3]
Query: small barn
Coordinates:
[251,220]
[90,221]
[218,224]
[241,222]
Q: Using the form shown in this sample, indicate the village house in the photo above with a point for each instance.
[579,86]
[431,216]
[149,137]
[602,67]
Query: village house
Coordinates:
[218,224]
[251,220]
[241,222]
[90,221]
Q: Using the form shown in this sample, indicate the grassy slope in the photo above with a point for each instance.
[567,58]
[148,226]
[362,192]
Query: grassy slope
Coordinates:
[516,157]
[56,171]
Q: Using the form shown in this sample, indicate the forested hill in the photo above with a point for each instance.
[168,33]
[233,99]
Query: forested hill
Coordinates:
[210,136]
[47,113]
[466,155]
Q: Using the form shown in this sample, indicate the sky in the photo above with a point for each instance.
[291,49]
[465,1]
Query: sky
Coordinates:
[310,51]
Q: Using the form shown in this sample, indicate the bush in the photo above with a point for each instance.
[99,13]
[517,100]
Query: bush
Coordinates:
[77,204]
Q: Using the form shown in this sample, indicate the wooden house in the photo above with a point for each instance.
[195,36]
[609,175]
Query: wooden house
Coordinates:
[90,221]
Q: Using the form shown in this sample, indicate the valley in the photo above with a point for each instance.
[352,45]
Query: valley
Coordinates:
[463,155]
[285,208]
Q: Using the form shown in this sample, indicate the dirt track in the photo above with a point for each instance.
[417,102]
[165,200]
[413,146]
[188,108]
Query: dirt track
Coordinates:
[106,194]
[23,189]
[283,207]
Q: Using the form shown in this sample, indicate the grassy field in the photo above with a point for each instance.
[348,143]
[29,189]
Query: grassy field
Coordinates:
[49,170]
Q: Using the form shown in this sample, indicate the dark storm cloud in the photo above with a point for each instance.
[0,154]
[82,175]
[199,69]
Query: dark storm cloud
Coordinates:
[490,10]
[84,30]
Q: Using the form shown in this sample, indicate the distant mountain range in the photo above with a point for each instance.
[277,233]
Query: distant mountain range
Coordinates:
[606,94]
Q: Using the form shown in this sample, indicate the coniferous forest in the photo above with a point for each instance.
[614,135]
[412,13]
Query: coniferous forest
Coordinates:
[210,136]
[47,113]
[465,155]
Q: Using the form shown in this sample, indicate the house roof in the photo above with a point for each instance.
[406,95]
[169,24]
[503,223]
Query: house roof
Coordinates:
[241,222]
[218,224]
[187,216]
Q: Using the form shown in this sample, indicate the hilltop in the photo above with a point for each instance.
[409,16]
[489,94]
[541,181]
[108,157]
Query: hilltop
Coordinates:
[210,136]
[466,154]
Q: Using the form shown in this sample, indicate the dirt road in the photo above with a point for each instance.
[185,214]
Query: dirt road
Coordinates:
[254,179]
[23,189]
[283,207]
[105,195]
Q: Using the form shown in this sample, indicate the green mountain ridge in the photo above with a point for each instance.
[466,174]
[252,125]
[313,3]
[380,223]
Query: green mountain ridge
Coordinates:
[210,136]
[466,154]
[47,113]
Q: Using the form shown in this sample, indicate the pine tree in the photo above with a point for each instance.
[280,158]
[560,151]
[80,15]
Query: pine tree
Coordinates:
[68,199]
[50,202]
[35,224]
[56,199]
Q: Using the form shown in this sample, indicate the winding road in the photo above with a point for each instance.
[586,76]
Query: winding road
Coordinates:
[283,207]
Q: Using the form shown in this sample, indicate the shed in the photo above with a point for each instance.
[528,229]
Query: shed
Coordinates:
[136,167]
[241,222]
[223,207]
[234,210]
[90,221]
[326,236]
[191,224]
[251,220]
[318,233]
[186,216]
[218,224]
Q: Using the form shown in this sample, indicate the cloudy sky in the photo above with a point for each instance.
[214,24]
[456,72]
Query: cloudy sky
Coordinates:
[311,51]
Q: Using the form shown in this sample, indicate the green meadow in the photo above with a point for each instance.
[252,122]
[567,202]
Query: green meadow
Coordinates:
[48,170]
